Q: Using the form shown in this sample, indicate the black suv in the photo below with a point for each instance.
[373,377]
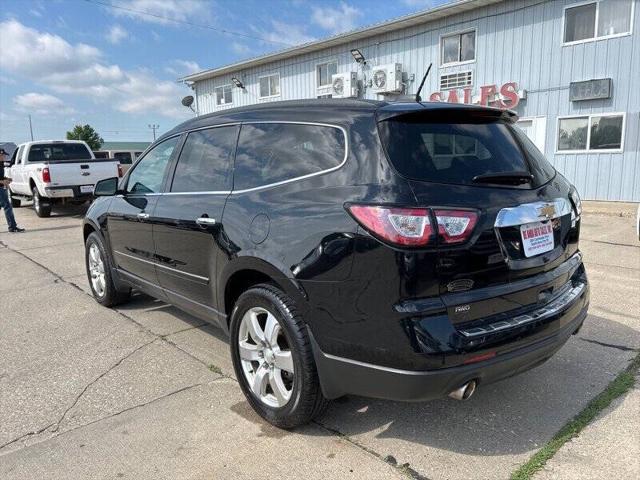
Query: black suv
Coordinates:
[395,250]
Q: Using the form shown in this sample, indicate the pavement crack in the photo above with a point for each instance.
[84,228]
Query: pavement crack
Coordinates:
[615,244]
[95,380]
[26,435]
[194,327]
[133,407]
[404,468]
[107,417]
[58,279]
[610,345]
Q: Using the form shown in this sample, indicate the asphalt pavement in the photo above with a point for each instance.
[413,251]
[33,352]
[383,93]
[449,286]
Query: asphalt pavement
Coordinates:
[147,391]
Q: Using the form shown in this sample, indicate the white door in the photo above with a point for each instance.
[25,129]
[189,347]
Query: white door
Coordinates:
[536,129]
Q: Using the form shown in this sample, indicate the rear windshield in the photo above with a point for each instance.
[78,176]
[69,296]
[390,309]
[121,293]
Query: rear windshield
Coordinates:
[457,152]
[58,151]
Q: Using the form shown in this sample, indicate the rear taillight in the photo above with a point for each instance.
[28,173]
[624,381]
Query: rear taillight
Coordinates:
[402,226]
[120,170]
[46,175]
[413,226]
[455,226]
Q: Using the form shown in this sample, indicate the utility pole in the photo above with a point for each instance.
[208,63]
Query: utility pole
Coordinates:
[30,127]
[154,127]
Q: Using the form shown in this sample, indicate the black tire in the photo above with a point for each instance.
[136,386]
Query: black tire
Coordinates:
[111,296]
[306,401]
[15,202]
[41,205]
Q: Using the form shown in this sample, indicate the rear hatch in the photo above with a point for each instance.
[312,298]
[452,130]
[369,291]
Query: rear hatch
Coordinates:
[466,161]
[72,165]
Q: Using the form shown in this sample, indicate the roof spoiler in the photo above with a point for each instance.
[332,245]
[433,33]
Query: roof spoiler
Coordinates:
[443,112]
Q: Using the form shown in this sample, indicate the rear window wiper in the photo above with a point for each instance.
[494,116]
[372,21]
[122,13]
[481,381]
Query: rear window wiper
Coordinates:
[508,178]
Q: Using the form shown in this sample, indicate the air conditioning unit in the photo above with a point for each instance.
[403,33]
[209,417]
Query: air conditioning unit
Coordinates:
[344,85]
[387,78]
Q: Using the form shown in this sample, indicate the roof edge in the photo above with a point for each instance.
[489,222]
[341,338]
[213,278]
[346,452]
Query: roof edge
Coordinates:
[405,21]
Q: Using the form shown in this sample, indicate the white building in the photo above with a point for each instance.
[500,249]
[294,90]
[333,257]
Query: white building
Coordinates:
[566,66]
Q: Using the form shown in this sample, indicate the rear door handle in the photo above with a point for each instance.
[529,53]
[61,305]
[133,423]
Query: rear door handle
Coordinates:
[143,216]
[205,221]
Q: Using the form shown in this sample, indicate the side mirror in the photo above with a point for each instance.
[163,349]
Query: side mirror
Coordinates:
[106,187]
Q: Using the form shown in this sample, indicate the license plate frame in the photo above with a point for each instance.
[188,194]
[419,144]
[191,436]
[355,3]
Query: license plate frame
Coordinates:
[537,238]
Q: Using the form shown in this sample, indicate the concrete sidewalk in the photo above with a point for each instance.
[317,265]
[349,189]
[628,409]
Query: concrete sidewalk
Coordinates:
[607,448]
[614,209]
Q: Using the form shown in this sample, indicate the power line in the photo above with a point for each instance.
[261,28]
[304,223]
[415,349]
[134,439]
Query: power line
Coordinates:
[186,22]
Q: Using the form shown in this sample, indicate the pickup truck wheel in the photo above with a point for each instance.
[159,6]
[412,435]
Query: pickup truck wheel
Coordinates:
[99,274]
[272,358]
[15,202]
[41,205]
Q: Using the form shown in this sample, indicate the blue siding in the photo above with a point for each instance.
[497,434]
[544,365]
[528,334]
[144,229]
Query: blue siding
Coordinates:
[517,40]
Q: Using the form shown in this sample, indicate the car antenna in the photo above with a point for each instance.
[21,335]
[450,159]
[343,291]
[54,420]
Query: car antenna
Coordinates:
[418,98]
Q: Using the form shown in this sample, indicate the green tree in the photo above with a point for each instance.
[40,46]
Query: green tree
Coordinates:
[87,134]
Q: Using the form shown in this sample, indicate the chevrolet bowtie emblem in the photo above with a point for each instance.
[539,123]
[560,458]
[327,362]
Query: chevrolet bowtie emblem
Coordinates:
[547,211]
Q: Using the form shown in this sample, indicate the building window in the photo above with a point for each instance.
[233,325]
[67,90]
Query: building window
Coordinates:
[456,80]
[324,71]
[270,85]
[224,95]
[591,133]
[458,48]
[601,19]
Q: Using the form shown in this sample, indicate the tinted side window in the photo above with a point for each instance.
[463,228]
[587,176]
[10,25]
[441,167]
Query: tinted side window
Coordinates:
[148,175]
[274,152]
[205,161]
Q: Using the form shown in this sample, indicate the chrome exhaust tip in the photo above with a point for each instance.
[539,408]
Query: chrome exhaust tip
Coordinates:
[465,391]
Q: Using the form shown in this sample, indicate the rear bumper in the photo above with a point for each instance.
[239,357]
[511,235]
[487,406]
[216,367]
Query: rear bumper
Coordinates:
[71,192]
[340,376]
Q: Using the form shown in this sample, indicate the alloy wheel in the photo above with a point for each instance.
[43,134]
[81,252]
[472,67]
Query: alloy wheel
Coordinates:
[266,357]
[96,270]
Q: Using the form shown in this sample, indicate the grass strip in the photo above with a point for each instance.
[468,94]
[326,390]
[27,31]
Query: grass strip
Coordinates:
[617,387]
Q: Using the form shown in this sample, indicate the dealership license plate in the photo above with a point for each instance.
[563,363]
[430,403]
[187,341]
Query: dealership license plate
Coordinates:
[537,238]
[86,188]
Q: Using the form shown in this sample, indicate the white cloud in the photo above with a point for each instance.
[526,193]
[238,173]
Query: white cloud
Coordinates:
[41,103]
[116,34]
[422,4]
[287,33]
[159,11]
[79,69]
[240,48]
[182,67]
[144,93]
[336,20]
[37,54]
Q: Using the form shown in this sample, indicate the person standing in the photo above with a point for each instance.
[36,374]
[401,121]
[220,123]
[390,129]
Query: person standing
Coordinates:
[5,203]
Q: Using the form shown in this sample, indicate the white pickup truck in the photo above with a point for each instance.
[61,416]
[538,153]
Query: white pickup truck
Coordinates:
[56,171]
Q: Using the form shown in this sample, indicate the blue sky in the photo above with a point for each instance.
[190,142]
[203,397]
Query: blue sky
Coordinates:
[114,63]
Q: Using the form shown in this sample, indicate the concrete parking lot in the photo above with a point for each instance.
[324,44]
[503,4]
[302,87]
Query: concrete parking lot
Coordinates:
[146,391]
